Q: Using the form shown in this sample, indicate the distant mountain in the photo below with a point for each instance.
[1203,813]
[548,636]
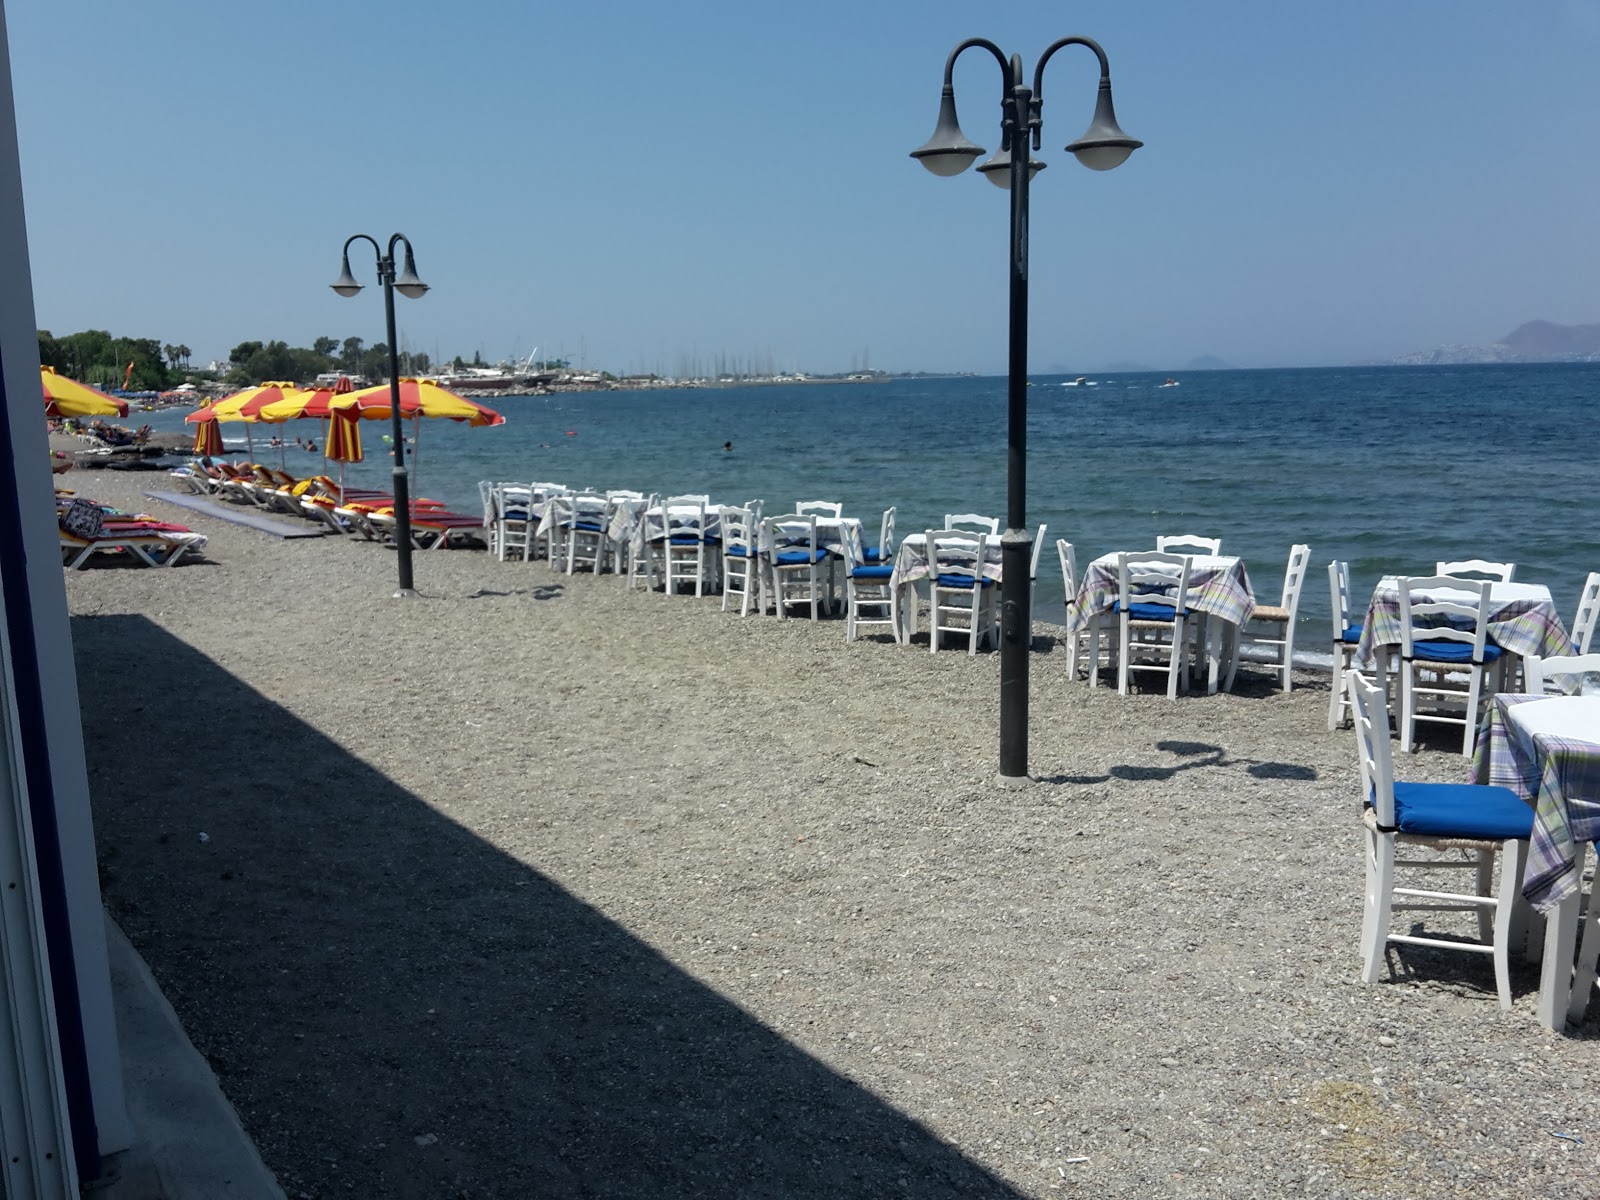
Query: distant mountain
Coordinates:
[1129,367]
[1208,362]
[1534,341]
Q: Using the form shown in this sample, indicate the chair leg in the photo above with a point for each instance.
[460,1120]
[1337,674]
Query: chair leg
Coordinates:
[1288,657]
[1474,689]
[1336,692]
[1407,699]
[1510,891]
[1486,919]
[1588,952]
[1122,663]
[1380,896]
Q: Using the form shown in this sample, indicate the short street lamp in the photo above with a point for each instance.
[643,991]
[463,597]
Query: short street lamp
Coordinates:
[948,152]
[410,286]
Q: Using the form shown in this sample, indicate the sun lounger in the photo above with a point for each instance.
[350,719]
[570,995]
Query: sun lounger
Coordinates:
[150,550]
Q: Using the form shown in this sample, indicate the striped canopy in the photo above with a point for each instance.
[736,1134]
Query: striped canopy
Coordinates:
[418,398]
[65,397]
[247,405]
[344,438]
[306,404]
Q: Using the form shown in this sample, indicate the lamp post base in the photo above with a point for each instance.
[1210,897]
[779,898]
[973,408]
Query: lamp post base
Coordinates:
[1014,783]
[408,594]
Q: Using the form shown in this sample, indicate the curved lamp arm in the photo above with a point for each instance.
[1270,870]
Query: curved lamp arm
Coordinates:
[1103,145]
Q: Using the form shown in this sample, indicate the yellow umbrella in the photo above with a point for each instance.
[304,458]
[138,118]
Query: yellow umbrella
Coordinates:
[246,406]
[343,443]
[208,440]
[418,398]
[65,397]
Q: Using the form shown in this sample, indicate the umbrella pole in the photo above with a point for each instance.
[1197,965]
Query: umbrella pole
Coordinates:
[416,441]
[250,442]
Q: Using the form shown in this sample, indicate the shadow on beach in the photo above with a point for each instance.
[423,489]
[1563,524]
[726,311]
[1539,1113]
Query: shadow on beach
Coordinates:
[398,1008]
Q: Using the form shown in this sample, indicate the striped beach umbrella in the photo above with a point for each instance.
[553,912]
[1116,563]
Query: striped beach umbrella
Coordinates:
[312,403]
[65,397]
[246,405]
[343,443]
[419,398]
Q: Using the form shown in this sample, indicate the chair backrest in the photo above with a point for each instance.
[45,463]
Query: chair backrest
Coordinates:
[587,508]
[822,508]
[1462,615]
[510,501]
[683,516]
[886,535]
[1194,543]
[791,531]
[1371,719]
[757,512]
[1583,621]
[1038,545]
[623,494]
[1294,575]
[738,532]
[956,552]
[1562,675]
[1153,577]
[1069,568]
[544,491]
[1339,598]
[959,521]
[1477,567]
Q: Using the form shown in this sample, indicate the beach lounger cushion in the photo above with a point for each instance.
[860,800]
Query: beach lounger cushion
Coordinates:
[1461,810]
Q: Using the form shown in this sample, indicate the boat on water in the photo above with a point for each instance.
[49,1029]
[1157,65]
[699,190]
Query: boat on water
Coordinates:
[1169,383]
[1080,381]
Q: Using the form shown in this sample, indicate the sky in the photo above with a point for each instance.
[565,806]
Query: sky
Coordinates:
[637,186]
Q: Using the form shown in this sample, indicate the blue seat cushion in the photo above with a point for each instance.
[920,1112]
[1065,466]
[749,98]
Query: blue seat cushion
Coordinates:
[872,554]
[1452,652]
[962,581]
[1465,810]
[740,552]
[1150,612]
[590,526]
[1351,634]
[873,571]
[685,539]
[798,558]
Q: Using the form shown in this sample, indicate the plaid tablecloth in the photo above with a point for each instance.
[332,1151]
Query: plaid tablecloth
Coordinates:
[911,560]
[1522,620]
[1559,774]
[1218,586]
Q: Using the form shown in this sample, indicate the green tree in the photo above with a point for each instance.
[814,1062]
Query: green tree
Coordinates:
[326,346]
[350,355]
[241,353]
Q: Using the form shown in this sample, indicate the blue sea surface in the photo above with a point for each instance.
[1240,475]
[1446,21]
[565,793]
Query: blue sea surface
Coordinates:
[1390,468]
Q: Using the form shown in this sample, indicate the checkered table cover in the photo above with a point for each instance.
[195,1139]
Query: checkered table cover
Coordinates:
[911,559]
[1218,586]
[1560,776]
[1523,623]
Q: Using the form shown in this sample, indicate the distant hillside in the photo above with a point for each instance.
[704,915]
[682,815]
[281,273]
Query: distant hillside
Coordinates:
[1207,362]
[1534,341]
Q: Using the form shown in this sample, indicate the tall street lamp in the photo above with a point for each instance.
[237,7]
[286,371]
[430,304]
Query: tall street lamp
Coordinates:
[408,285]
[948,152]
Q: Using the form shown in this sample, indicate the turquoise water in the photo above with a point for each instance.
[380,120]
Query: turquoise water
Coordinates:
[1389,468]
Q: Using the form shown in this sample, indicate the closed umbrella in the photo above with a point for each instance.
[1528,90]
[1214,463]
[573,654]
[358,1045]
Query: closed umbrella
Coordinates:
[208,439]
[65,397]
[343,443]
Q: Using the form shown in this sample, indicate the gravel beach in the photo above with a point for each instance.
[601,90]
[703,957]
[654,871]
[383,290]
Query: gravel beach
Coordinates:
[542,886]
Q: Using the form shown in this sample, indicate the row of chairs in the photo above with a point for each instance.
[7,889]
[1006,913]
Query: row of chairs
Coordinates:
[1446,667]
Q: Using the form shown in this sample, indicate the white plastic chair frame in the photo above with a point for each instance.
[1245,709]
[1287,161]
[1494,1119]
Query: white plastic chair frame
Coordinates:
[741,564]
[1501,917]
[885,546]
[1344,652]
[1087,639]
[1442,689]
[1160,579]
[957,587]
[1189,543]
[818,508]
[1280,618]
[511,521]
[584,530]
[1476,567]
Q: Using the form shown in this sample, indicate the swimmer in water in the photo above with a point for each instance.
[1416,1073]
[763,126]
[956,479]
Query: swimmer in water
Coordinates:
[727,446]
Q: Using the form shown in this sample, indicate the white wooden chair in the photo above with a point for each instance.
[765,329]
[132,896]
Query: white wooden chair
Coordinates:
[1033,569]
[1278,620]
[1086,641]
[1562,675]
[553,543]
[961,597]
[1448,645]
[644,560]
[741,562]
[883,550]
[1188,543]
[869,600]
[584,531]
[819,508]
[1346,637]
[973,521]
[1152,612]
[793,559]
[1444,817]
[685,544]
[1583,621]
[1476,568]
[510,520]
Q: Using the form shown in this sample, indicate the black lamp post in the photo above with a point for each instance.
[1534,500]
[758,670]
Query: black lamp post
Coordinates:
[948,152]
[410,286]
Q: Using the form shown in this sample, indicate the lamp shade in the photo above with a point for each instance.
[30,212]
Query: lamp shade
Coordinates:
[1104,145]
[346,284]
[947,152]
[408,284]
[998,169]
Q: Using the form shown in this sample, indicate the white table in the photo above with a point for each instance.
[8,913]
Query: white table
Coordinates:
[911,567]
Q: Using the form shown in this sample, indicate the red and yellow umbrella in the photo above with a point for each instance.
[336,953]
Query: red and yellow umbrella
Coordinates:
[419,398]
[305,403]
[65,397]
[344,438]
[246,405]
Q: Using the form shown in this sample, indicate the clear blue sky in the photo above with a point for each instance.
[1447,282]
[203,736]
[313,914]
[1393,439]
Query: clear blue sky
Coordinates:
[1320,183]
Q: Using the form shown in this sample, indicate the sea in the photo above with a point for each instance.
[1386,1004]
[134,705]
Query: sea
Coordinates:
[1388,468]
